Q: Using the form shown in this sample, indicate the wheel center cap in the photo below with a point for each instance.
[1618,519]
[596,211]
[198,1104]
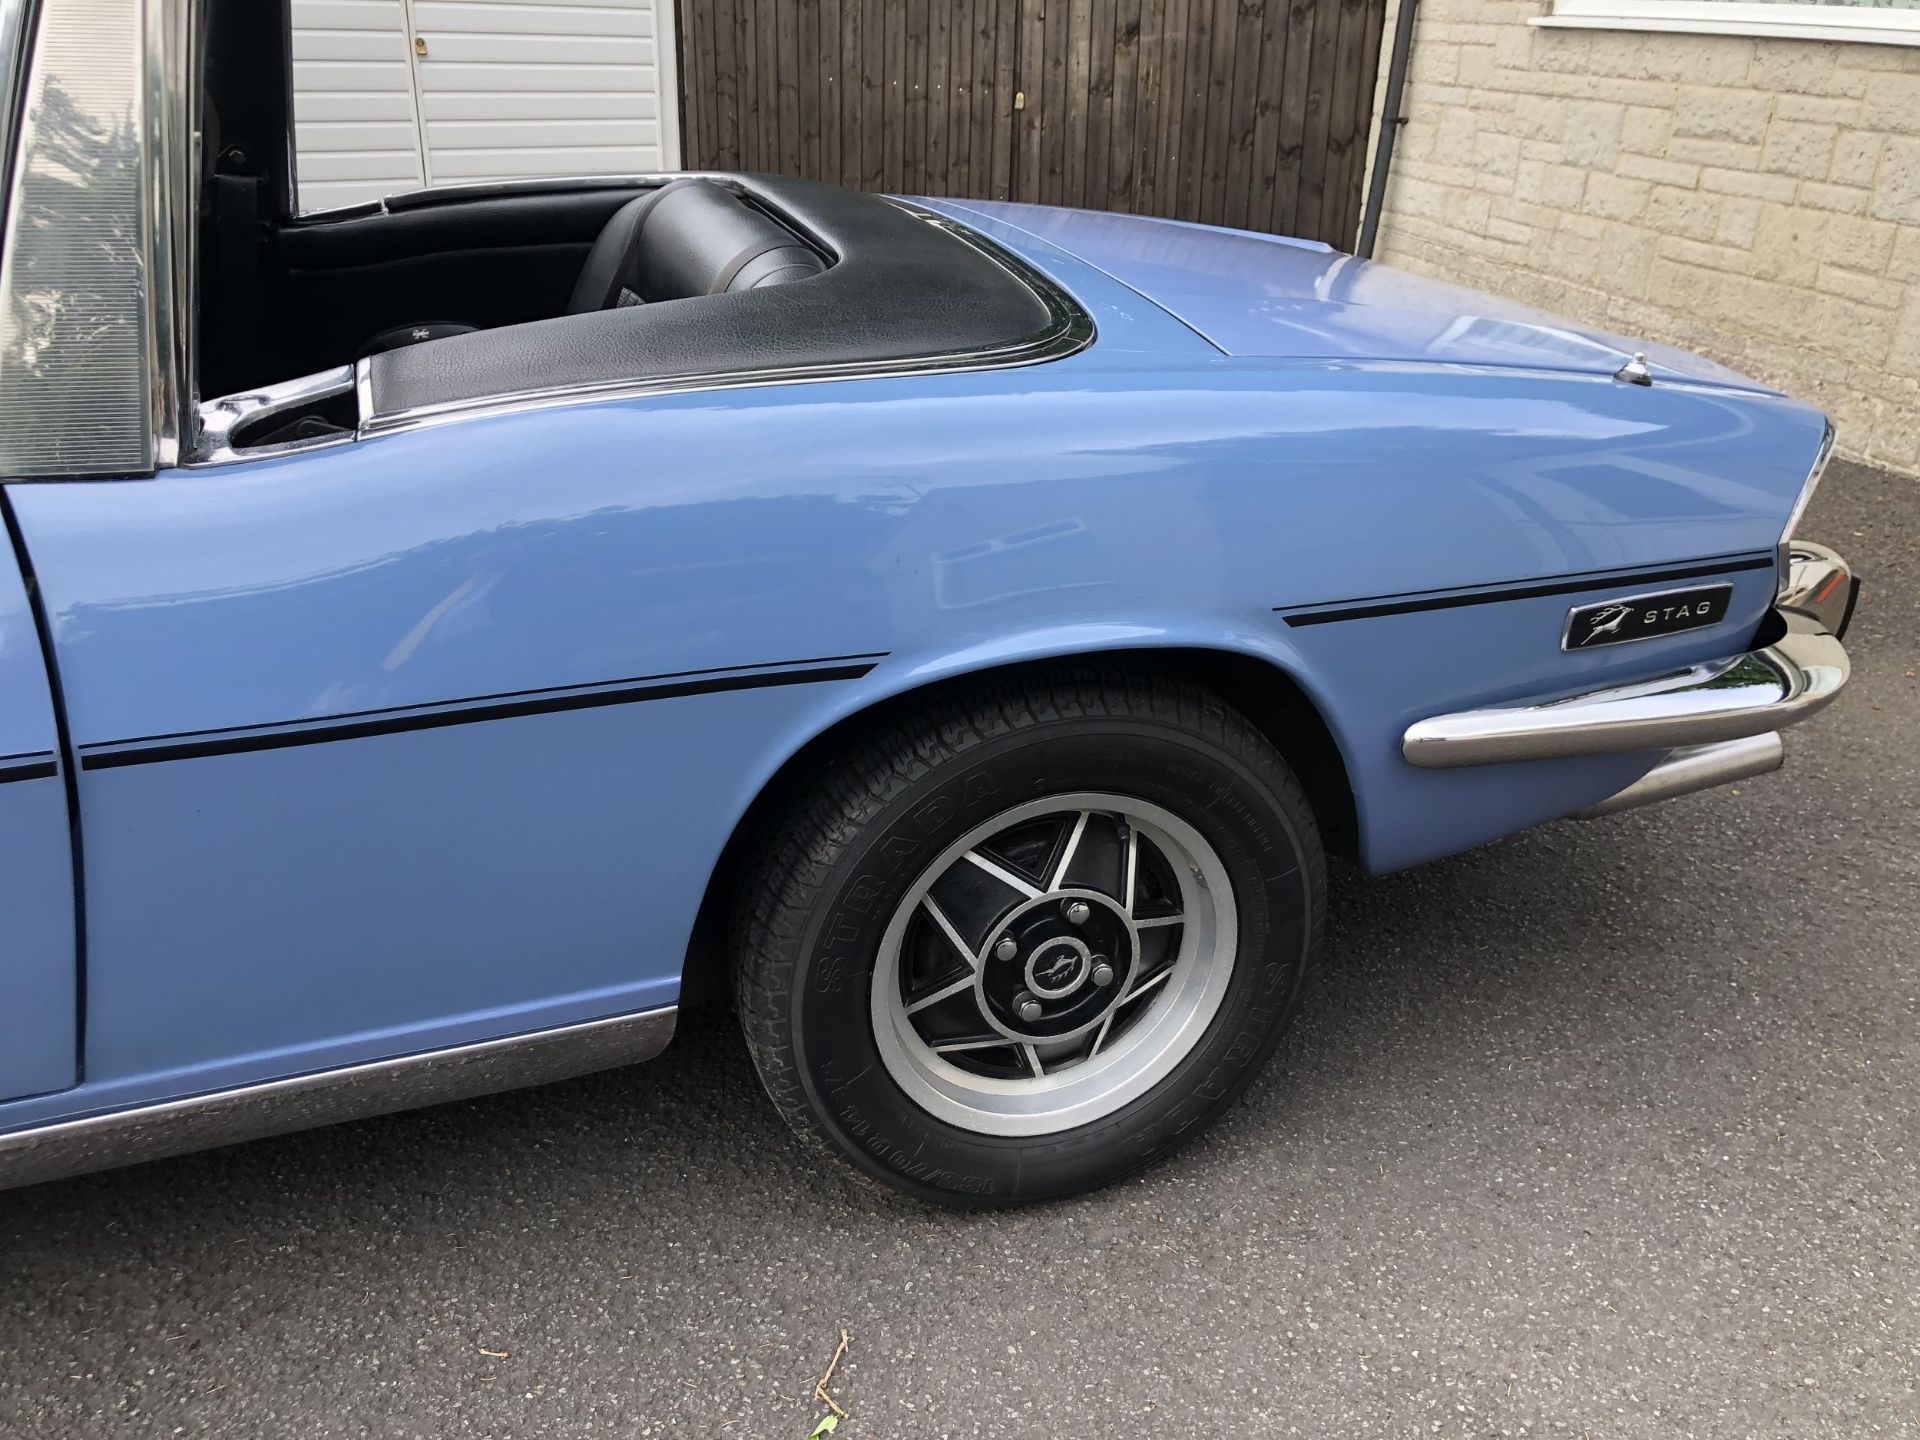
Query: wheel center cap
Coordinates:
[1058,968]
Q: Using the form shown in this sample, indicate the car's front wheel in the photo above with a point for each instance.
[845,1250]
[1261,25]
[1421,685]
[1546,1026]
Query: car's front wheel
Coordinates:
[1031,936]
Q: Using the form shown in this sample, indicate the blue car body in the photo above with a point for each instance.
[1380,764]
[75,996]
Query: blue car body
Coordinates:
[442,736]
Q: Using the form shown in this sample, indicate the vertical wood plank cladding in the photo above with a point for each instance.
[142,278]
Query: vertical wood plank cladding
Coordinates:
[1006,130]
[1170,107]
[1078,97]
[937,171]
[1218,117]
[1239,112]
[1024,89]
[1293,117]
[1360,119]
[852,41]
[913,100]
[1057,120]
[766,49]
[893,68]
[830,88]
[1101,106]
[787,85]
[1147,54]
[1313,148]
[1188,201]
[1268,97]
[873,96]
[688,25]
[805,64]
[960,100]
[1340,140]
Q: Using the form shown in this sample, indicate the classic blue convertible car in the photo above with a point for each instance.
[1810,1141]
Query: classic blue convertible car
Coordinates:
[440,636]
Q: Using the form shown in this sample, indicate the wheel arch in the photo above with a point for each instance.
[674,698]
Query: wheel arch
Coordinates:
[1270,694]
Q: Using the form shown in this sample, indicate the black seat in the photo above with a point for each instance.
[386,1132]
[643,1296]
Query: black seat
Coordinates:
[690,237]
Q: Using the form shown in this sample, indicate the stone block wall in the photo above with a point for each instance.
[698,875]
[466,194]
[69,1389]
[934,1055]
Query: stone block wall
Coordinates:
[1757,200]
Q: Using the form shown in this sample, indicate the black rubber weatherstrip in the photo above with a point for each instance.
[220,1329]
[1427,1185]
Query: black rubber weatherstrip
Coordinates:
[1415,602]
[514,704]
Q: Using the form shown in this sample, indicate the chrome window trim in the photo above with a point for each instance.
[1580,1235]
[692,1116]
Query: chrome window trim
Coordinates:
[328,1097]
[169,74]
[1069,329]
[142,426]
[15,32]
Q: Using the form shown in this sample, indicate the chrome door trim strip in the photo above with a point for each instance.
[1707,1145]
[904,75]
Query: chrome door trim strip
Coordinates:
[328,1097]
[1069,329]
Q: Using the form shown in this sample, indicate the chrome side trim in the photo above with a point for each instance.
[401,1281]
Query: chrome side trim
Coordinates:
[1807,487]
[1069,329]
[220,419]
[355,1092]
[1696,767]
[1817,583]
[1767,689]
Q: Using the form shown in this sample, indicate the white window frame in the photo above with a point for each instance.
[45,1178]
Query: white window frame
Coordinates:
[1863,24]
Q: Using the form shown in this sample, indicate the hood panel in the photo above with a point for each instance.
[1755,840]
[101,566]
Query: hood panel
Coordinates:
[1268,295]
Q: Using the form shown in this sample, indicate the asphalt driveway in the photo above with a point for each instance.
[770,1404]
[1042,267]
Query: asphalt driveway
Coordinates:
[1609,1130]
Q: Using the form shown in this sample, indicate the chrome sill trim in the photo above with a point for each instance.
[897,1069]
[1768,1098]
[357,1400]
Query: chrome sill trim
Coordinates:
[1752,694]
[328,1097]
[1069,330]
[1694,768]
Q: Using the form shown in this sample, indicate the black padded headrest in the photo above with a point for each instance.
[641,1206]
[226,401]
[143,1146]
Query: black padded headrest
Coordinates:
[690,237]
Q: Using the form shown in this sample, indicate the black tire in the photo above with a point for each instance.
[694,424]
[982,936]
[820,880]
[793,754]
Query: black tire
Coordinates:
[815,900]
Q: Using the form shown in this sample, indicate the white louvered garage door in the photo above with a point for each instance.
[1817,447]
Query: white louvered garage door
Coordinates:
[354,124]
[393,94]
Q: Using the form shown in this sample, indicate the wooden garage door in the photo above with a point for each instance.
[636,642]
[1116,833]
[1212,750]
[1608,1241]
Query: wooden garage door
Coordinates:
[1222,111]
[393,94]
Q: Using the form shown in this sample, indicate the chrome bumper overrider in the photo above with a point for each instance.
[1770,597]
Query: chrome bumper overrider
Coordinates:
[1706,705]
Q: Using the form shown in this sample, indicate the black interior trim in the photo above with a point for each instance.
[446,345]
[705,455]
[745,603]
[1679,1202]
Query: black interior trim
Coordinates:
[1524,590]
[900,288]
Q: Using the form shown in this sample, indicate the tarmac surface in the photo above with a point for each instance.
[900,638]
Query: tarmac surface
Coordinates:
[1607,1130]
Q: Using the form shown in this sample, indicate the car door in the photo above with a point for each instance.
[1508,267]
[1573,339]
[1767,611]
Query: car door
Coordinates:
[38,982]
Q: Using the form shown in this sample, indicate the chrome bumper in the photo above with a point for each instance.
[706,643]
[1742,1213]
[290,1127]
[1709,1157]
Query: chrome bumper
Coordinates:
[1707,705]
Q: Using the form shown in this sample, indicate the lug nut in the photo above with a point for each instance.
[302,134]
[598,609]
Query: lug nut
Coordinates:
[1026,1007]
[1102,971]
[1077,912]
[1006,949]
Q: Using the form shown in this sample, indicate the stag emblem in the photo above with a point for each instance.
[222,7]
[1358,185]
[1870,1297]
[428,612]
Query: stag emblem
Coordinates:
[1608,622]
